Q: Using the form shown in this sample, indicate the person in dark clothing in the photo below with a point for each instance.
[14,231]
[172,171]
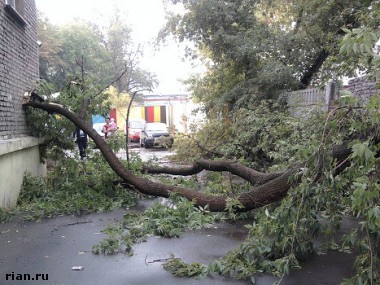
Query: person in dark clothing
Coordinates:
[81,140]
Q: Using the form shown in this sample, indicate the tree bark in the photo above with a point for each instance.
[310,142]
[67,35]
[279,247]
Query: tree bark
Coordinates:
[266,188]
[313,69]
[254,177]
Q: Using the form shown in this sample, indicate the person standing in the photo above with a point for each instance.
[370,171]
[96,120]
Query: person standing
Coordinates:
[81,140]
[112,127]
[112,133]
[106,127]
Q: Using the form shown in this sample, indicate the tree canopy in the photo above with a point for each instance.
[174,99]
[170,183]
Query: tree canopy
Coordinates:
[260,47]
[103,55]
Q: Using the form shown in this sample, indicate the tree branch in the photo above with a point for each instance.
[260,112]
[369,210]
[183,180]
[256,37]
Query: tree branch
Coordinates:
[313,69]
[113,82]
[252,176]
[267,188]
[202,147]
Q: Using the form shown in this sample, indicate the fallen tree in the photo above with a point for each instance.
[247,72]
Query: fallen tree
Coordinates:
[266,187]
[314,196]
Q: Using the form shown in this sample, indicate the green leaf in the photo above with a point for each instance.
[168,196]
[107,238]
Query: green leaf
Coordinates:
[363,153]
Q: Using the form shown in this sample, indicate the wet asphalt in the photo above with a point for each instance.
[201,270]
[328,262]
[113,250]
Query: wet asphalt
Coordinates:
[50,248]
[54,246]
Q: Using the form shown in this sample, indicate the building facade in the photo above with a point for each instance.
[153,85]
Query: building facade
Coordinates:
[19,151]
[174,110]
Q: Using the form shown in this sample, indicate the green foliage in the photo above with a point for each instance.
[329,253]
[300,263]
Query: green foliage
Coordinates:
[73,187]
[264,137]
[5,215]
[73,95]
[82,49]
[50,49]
[283,234]
[359,43]
[64,49]
[207,134]
[181,269]
[254,49]
[232,208]
[167,219]
[120,45]
[57,132]
[188,182]
[216,83]
[112,243]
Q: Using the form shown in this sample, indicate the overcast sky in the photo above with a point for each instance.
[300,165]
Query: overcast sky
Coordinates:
[145,17]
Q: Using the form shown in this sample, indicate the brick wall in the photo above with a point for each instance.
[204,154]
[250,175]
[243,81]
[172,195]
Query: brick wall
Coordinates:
[362,88]
[18,67]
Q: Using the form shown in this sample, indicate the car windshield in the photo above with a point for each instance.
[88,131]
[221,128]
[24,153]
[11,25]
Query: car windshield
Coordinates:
[136,124]
[156,127]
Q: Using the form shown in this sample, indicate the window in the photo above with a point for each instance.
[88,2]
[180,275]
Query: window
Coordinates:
[10,2]
[17,9]
[17,5]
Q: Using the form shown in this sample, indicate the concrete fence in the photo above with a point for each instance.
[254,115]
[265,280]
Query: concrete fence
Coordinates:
[302,102]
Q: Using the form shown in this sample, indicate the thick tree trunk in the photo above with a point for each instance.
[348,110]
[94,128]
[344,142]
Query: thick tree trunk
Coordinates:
[266,188]
[313,69]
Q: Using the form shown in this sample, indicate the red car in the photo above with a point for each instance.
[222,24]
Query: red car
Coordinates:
[134,129]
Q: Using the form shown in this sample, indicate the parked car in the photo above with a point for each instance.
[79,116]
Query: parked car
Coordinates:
[156,134]
[134,129]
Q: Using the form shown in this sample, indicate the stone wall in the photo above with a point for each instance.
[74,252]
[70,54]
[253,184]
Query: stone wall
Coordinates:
[18,67]
[362,88]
